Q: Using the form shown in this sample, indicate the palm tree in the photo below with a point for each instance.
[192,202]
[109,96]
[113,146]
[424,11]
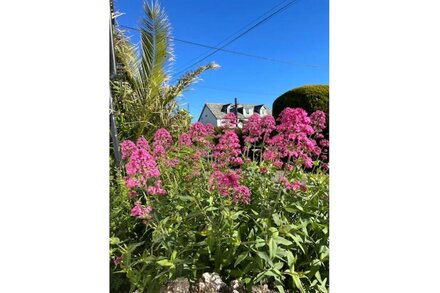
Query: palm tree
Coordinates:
[144,98]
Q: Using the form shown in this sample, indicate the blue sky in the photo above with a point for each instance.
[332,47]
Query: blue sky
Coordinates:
[299,35]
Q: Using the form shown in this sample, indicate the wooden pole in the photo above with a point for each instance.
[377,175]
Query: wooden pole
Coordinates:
[113,129]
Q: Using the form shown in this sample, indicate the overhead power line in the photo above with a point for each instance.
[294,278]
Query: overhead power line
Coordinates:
[237,91]
[233,52]
[246,54]
[238,31]
[241,34]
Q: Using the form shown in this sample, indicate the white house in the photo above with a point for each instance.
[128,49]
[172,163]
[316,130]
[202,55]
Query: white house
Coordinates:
[214,113]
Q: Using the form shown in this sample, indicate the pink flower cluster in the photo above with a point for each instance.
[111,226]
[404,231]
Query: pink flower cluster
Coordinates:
[156,189]
[161,143]
[229,121]
[143,171]
[227,151]
[292,185]
[118,260]
[185,140]
[199,132]
[293,139]
[140,211]
[257,128]
[228,183]
[318,121]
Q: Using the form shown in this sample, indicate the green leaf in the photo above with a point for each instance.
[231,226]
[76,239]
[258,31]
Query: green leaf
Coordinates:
[290,259]
[297,281]
[114,240]
[265,257]
[276,219]
[272,250]
[173,255]
[283,241]
[211,209]
[240,258]
[259,243]
[165,263]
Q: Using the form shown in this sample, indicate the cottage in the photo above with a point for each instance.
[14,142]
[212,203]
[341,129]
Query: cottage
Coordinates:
[214,113]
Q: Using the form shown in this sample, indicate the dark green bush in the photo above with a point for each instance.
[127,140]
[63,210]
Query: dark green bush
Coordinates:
[308,97]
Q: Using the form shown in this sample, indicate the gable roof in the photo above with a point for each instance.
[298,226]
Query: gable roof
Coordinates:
[219,110]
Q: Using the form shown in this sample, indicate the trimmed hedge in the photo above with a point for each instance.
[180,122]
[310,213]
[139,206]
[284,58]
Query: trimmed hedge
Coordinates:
[308,97]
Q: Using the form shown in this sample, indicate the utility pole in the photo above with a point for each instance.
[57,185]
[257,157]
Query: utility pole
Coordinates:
[113,129]
[236,112]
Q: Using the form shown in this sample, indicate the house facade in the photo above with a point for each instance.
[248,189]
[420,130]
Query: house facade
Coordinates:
[214,113]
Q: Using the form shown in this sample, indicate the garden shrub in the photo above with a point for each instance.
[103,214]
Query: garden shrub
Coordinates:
[308,97]
[201,203]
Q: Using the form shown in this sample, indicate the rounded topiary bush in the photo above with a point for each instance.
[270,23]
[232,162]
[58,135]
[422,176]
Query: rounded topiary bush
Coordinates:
[308,97]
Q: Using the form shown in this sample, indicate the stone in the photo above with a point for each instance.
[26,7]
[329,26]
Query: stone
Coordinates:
[237,287]
[210,283]
[179,285]
[261,289]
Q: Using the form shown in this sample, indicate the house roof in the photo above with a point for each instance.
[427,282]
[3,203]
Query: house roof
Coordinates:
[219,110]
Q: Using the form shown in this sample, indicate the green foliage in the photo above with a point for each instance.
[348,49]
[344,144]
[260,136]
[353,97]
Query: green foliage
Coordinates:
[121,225]
[280,237]
[308,97]
[144,100]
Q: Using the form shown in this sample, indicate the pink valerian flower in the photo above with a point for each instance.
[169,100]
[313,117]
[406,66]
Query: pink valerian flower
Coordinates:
[324,166]
[209,129]
[324,143]
[252,129]
[237,161]
[118,260]
[162,137]
[198,132]
[289,167]
[263,170]
[162,141]
[318,120]
[159,151]
[317,150]
[214,179]
[140,169]
[140,211]
[227,151]
[171,163]
[142,163]
[229,180]
[229,121]
[185,139]
[324,157]
[127,148]
[293,139]
[294,120]
[143,143]
[156,189]
[319,136]
[131,182]
[242,194]
[291,185]
[229,184]
[132,194]
[308,163]
[267,126]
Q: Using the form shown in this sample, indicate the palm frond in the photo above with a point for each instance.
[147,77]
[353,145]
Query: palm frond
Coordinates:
[187,79]
[145,100]
[156,47]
